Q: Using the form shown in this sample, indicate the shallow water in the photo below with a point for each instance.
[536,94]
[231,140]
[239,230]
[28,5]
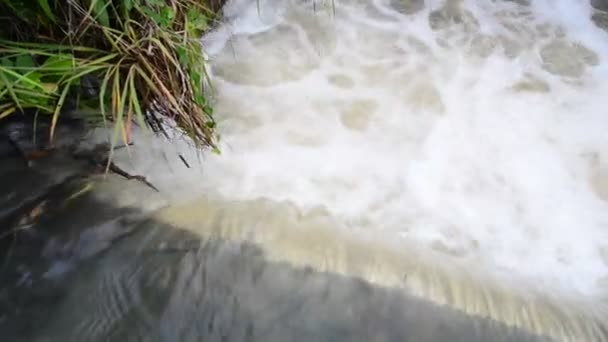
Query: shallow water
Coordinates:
[460,143]
[178,286]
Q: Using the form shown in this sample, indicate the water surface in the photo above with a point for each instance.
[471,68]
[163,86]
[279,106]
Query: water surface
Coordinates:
[453,150]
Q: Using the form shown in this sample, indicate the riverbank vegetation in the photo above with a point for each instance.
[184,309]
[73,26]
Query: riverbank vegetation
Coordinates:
[127,62]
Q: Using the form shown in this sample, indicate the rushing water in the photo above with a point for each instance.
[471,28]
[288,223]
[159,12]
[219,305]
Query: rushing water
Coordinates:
[462,143]
[474,128]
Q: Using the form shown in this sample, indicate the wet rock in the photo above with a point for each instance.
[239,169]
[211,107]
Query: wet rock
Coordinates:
[483,45]
[419,46]
[424,96]
[604,254]
[452,15]
[601,5]
[455,26]
[304,139]
[341,81]
[358,115]
[599,183]
[567,59]
[408,6]
[600,19]
[531,85]
[510,47]
[520,2]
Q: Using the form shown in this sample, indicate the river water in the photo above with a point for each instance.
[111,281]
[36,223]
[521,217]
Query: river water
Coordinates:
[475,128]
[455,150]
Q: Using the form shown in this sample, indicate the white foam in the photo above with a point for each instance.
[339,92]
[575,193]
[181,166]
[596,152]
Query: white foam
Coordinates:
[462,139]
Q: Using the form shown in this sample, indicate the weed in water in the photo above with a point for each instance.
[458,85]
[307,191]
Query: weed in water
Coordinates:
[135,61]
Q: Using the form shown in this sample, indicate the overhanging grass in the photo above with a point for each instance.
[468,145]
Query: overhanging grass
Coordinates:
[139,60]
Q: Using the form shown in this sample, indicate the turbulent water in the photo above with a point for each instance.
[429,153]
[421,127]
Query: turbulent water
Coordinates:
[471,131]
[474,128]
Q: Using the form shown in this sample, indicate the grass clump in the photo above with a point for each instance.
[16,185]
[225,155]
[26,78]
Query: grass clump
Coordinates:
[133,61]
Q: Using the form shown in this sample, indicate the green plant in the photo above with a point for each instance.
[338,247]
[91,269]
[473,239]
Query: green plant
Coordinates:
[144,56]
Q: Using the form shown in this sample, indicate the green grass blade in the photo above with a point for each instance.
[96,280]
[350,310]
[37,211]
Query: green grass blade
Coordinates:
[7,112]
[9,89]
[46,8]
[58,107]
[99,9]
[19,77]
[135,101]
